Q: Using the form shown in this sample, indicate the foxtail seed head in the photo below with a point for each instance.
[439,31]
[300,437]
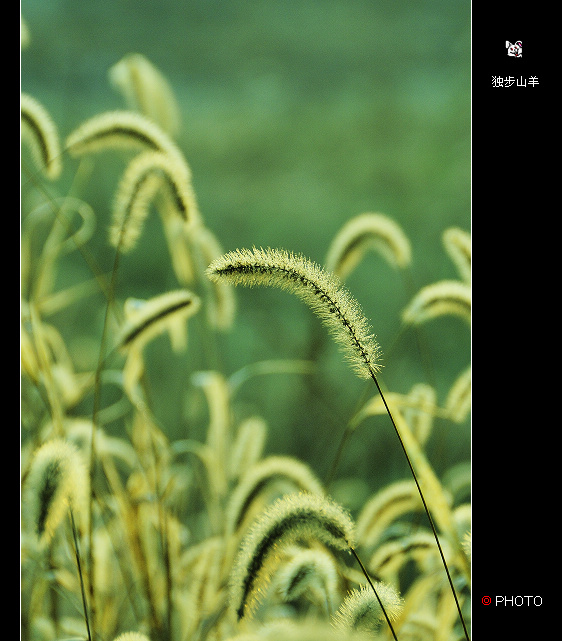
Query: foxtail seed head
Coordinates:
[458,243]
[460,396]
[40,132]
[119,130]
[146,175]
[295,516]
[319,289]
[446,297]
[361,609]
[363,232]
[54,484]
[147,319]
[310,571]
[266,472]
[146,89]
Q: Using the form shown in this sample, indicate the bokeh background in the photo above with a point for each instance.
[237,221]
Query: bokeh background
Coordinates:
[296,116]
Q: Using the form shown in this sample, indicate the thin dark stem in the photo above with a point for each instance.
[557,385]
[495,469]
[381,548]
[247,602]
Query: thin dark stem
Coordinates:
[373,588]
[433,529]
[79,565]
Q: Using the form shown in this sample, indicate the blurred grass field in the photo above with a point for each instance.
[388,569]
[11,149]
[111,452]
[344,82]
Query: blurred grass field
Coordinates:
[296,117]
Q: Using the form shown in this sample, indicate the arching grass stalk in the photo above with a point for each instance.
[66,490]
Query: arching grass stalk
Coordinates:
[337,309]
[80,575]
[432,525]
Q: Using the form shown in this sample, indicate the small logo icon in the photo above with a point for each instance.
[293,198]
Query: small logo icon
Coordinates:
[514,50]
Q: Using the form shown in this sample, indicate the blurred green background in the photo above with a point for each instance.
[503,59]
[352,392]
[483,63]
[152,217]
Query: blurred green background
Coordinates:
[297,115]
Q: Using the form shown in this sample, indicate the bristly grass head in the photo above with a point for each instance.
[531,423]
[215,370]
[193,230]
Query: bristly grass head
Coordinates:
[446,297]
[337,309]
[361,609]
[146,174]
[40,132]
[119,130]
[295,516]
[459,397]
[310,572]
[319,289]
[369,230]
[259,477]
[458,245]
[54,484]
[147,319]
[145,89]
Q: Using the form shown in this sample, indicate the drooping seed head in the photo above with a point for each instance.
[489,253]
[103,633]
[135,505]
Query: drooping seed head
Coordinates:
[295,516]
[319,289]
[55,483]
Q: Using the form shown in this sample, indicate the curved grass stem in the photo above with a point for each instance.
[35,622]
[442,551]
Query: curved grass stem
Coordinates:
[80,575]
[430,519]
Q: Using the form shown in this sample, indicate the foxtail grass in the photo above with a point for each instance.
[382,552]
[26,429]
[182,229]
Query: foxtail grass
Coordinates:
[54,484]
[458,245]
[296,516]
[342,315]
[361,610]
[163,580]
[144,177]
[448,297]
[55,488]
[302,516]
[145,89]
[41,134]
[321,291]
[311,572]
[267,472]
[367,231]
[120,129]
